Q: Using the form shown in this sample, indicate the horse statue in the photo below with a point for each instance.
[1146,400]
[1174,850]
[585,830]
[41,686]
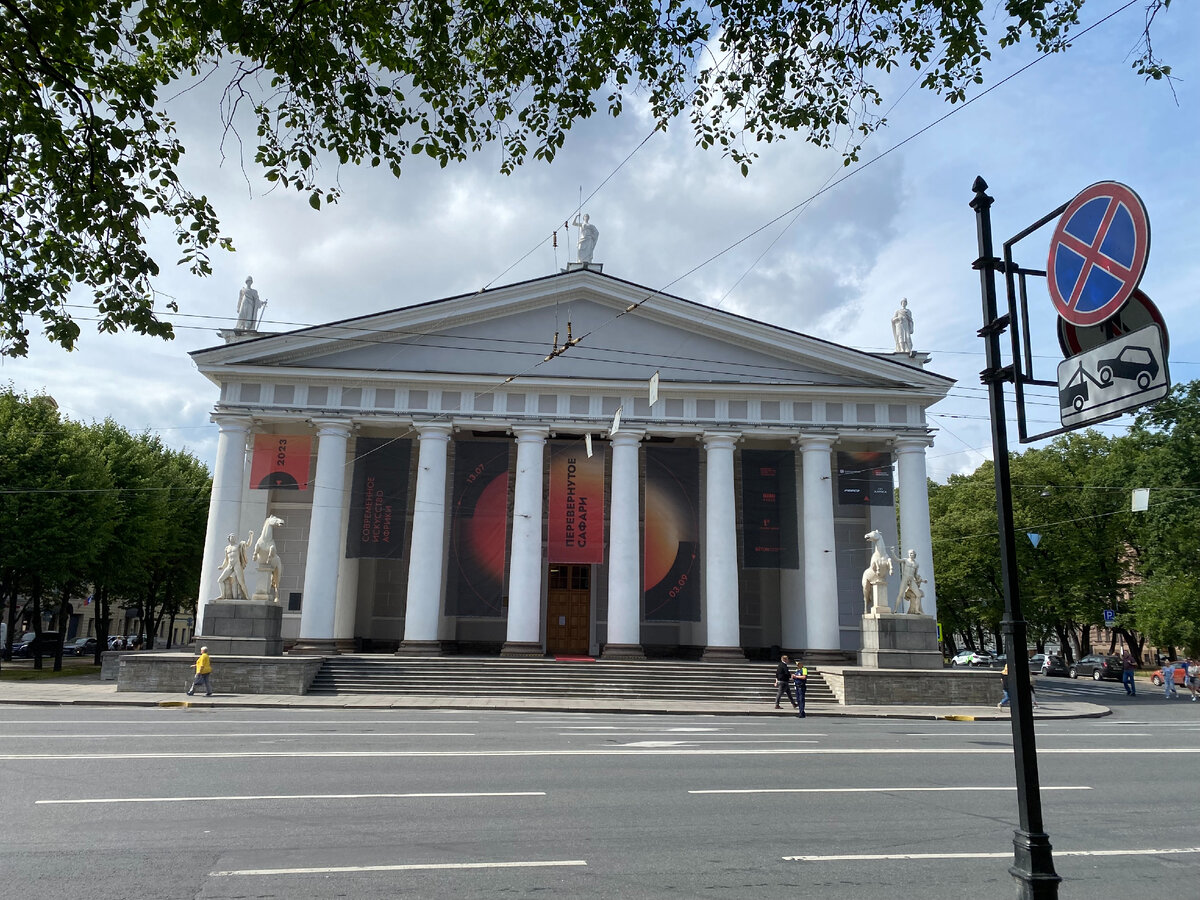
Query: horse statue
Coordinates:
[267,560]
[878,571]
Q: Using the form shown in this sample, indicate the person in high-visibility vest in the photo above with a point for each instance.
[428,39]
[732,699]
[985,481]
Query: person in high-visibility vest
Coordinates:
[800,679]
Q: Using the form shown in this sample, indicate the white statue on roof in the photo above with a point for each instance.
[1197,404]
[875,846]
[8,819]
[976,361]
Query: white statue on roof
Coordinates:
[249,307]
[588,235]
[902,328]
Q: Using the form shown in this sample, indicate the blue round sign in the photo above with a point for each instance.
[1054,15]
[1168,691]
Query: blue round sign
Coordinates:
[1098,253]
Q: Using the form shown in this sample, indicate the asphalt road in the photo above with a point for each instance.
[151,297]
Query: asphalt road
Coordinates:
[190,803]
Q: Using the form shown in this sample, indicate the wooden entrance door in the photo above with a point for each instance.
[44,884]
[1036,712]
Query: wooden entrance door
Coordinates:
[568,610]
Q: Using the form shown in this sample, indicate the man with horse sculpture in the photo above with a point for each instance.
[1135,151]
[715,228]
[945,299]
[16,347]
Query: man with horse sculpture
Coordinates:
[232,576]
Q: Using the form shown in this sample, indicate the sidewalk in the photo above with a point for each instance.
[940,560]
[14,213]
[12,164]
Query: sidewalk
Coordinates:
[92,692]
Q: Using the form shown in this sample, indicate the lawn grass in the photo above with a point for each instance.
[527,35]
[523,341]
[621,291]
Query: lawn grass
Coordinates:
[12,673]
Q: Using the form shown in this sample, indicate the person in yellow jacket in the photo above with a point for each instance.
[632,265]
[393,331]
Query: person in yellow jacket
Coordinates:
[203,670]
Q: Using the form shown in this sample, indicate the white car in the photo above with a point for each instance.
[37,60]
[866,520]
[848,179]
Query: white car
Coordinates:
[972,658]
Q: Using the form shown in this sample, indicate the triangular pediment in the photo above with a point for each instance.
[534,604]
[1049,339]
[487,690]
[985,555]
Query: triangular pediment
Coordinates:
[622,331]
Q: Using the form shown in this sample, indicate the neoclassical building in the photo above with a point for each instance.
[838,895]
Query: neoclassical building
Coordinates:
[572,465]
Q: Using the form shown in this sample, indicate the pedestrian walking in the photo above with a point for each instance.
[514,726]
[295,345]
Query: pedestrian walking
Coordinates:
[1193,678]
[783,681]
[800,682]
[1004,684]
[1168,671]
[203,671]
[1127,666]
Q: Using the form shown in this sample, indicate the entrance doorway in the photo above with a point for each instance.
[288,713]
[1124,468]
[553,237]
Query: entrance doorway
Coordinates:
[568,610]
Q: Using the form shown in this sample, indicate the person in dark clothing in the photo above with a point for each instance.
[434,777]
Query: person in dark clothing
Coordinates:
[783,682]
[800,678]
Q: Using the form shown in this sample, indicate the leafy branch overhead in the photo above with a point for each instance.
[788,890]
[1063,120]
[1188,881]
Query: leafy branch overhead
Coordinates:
[89,154]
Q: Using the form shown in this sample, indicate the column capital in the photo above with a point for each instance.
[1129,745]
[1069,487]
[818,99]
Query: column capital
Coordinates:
[340,427]
[433,430]
[911,443]
[720,440]
[816,441]
[530,433]
[231,422]
[626,437]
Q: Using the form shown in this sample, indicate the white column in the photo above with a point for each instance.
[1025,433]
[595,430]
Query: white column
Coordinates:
[346,607]
[820,561]
[326,546]
[791,583]
[525,559]
[224,506]
[427,552]
[914,514]
[720,550]
[624,566]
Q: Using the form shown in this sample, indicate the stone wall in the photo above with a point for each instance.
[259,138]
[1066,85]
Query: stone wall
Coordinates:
[173,672]
[854,686]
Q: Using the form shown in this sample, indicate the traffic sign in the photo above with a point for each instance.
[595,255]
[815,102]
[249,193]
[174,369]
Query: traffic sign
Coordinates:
[1098,253]
[1139,312]
[1113,378]
[1110,616]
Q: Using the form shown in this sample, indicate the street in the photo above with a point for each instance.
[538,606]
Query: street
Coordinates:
[211,803]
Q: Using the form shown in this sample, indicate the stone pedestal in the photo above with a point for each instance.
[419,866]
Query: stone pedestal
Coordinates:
[242,628]
[879,600]
[894,641]
[262,583]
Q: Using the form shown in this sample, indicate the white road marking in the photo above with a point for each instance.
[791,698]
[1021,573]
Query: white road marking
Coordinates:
[597,751]
[206,723]
[880,790]
[254,734]
[102,800]
[416,867]
[876,857]
[1038,733]
[724,734]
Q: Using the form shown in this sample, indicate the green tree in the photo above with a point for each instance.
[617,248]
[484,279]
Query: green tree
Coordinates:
[88,154]
[56,507]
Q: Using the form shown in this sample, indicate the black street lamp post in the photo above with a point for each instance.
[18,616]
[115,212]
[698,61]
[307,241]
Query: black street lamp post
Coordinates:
[1033,865]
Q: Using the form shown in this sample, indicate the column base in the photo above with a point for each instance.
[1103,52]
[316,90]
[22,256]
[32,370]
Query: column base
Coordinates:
[623,651]
[421,648]
[345,645]
[723,654]
[314,647]
[524,649]
[827,657]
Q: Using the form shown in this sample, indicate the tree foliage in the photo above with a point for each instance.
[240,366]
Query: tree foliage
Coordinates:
[95,511]
[89,155]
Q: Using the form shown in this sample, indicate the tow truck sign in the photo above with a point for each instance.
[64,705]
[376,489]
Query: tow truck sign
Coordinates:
[1123,374]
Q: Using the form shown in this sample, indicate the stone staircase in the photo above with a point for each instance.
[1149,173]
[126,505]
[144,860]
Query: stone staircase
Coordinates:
[732,682]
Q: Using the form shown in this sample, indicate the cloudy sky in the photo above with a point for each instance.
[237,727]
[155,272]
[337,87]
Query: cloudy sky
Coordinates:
[898,226]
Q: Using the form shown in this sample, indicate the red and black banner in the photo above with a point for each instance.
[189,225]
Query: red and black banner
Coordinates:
[378,498]
[479,537]
[281,462]
[671,557]
[865,479]
[576,511]
[769,533]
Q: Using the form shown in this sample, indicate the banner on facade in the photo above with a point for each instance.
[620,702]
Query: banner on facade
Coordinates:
[281,462]
[479,536]
[378,498]
[576,510]
[865,479]
[769,535]
[671,556]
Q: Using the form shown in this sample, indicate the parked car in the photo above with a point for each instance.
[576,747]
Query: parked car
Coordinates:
[1099,667]
[1055,665]
[1156,679]
[84,646]
[971,658]
[25,648]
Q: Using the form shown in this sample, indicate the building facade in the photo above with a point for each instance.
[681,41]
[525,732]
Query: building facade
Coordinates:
[570,465]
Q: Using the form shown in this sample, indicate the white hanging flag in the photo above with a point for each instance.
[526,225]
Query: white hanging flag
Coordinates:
[616,423]
[587,440]
[1141,499]
[653,388]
